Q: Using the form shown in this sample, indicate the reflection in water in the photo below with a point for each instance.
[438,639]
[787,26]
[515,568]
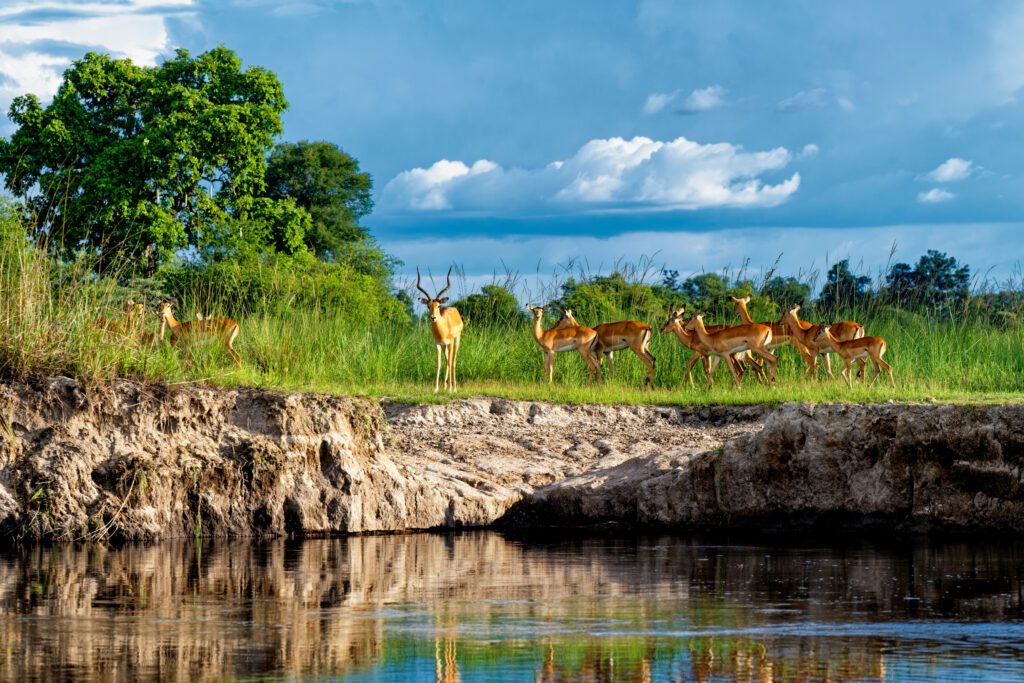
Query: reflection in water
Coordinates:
[480,606]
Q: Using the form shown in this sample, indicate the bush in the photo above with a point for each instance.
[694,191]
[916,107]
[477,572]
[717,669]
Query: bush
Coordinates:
[274,284]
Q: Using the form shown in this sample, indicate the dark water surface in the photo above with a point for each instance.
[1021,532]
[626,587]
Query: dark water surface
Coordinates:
[485,607]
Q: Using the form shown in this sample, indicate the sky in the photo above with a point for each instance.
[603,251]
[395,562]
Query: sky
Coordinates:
[522,136]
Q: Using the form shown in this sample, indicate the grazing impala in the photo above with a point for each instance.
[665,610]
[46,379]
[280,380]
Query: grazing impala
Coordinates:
[807,334]
[859,349]
[700,352]
[734,339]
[193,331]
[446,326]
[552,341]
[612,337]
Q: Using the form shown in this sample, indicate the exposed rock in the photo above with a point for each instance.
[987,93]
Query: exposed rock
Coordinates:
[127,461]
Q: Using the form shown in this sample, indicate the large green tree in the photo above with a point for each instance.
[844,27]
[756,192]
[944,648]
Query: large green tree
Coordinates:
[129,160]
[327,182]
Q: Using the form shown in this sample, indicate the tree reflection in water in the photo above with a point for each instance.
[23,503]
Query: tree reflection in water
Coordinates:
[482,606]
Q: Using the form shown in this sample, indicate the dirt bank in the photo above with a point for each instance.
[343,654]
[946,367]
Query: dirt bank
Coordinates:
[134,462]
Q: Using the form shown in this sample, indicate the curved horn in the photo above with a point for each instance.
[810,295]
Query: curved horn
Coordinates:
[418,284]
[447,286]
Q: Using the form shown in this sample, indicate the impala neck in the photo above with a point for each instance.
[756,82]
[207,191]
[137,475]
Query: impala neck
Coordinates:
[538,331]
[702,332]
[744,314]
[171,321]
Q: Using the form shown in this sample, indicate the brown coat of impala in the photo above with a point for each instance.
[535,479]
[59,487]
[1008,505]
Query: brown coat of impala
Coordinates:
[578,337]
[702,353]
[207,329]
[731,340]
[611,337]
[807,334]
[859,349]
[446,327]
[780,331]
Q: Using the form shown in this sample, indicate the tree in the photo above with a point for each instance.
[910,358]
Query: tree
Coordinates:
[843,289]
[493,304]
[937,282]
[126,159]
[786,291]
[327,183]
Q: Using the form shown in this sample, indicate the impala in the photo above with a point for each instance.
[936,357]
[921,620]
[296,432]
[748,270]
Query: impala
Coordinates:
[734,339]
[612,337]
[208,329]
[446,326]
[552,341]
[780,332]
[860,350]
[700,352]
[807,334]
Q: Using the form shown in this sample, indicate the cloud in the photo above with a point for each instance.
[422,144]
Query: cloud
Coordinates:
[951,170]
[700,100]
[809,150]
[657,101]
[804,100]
[603,175]
[935,196]
[36,37]
[845,103]
[705,99]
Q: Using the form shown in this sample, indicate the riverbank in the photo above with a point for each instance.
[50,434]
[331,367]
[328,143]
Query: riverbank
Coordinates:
[139,462]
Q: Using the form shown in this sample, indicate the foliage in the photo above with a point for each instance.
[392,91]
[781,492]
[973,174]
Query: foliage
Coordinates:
[493,305]
[843,289]
[131,163]
[937,282]
[606,298]
[274,283]
[326,182]
[786,291]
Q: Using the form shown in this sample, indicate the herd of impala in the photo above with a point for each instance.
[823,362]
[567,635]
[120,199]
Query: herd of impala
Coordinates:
[748,344]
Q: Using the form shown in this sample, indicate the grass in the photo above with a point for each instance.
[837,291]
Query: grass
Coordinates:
[49,328]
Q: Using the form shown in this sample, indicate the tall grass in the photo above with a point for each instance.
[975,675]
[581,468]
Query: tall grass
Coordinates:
[51,322]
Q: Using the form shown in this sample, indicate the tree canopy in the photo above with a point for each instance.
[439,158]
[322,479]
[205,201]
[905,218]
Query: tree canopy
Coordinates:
[326,182]
[129,160]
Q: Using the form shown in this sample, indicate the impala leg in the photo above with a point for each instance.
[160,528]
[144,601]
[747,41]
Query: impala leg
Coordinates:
[770,359]
[455,363]
[448,349]
[611,361]
[735,371]
[827,357]
[693,361]
[648,359]
[549,366]
[229,342]
[847,373]
[437,375]
[713,362]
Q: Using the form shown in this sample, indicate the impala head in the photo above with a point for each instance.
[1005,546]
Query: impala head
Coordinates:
[742,300]
[134,309]
[822,332]
[433,303]
[165,310]
[538,311]
[567,319]
[692,324]
[675,317]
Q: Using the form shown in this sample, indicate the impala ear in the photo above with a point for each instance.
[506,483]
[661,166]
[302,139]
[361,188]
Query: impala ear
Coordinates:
[443,300]
[424,301]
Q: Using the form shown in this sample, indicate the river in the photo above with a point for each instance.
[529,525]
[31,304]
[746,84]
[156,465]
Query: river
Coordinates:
[482,606]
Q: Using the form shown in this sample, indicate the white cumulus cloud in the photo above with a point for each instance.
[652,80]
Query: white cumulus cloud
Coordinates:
[29,31]
[613,174]
[803,100]
[951,170]
[935,196]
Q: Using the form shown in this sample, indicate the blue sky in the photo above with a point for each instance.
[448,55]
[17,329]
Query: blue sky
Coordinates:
[520,135]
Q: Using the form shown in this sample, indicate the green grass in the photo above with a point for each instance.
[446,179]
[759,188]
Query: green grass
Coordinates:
[48,329]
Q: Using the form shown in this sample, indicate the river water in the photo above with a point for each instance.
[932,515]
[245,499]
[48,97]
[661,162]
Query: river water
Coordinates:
[481,606]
